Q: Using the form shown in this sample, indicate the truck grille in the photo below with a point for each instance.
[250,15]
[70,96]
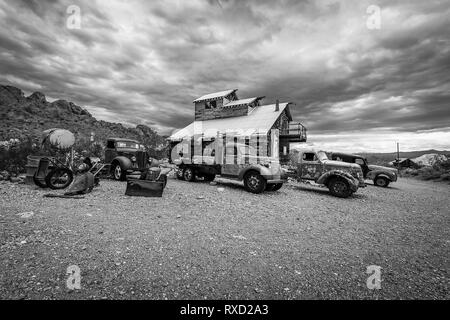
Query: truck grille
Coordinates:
[141,159]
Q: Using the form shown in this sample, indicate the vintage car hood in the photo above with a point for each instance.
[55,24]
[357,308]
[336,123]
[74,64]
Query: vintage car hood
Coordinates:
[373,167]
[341,165]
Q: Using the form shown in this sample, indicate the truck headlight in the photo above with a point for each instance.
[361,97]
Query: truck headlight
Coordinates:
[133,159]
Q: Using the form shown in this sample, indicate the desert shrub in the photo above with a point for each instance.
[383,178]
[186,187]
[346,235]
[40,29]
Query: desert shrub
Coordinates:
[408,172]
[84,148]
[13,156]
[430,173]
[445,165]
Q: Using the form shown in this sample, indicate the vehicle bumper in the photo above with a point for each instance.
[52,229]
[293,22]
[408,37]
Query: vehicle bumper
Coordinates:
[134,171]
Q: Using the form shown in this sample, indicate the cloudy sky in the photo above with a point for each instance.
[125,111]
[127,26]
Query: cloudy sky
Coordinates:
[363,74]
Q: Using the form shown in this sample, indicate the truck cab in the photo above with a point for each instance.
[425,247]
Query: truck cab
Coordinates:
[125,157]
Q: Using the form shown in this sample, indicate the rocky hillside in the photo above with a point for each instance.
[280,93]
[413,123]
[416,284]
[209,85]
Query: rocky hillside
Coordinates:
[430,159]
[24,117]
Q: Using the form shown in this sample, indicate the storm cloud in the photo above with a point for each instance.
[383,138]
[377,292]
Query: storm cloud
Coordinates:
[143,62]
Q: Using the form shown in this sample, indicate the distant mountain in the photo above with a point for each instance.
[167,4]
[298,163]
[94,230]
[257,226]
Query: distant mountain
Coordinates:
[24,117]
[385,158]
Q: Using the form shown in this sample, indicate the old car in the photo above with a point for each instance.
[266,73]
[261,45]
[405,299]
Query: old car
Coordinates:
[381,176]
[125,157]
[342,179]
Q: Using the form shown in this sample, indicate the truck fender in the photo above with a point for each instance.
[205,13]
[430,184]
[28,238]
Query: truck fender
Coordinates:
[256,168]
[383,175]
[323,179]
[377,173]
[124,162]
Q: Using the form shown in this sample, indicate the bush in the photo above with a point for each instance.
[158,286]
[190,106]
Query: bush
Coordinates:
[445,165]
[13,156]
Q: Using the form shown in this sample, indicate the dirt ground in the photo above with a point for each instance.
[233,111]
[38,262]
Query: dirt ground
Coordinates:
[202,242]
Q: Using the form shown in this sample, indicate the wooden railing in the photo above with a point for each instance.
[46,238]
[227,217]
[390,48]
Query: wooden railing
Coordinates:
[296,132]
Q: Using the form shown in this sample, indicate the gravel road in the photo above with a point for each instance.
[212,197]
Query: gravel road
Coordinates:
[201,242]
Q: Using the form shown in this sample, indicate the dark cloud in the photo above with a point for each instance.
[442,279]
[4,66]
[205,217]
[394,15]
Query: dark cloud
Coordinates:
[145,61]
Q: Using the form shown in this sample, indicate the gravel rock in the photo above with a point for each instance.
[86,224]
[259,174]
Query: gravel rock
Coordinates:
[231,245]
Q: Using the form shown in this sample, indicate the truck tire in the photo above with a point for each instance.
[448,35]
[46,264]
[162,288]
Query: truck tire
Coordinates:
[59,179]
[381,182]
[274,187]
[179,174]
[118,173]
[339,187]
[254,182]
[189,174]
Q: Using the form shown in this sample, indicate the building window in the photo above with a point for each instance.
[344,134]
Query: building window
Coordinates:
[210,104]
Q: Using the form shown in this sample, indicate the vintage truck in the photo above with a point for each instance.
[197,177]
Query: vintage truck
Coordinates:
[125,157]
[342,179]
[232,160]
[381,176]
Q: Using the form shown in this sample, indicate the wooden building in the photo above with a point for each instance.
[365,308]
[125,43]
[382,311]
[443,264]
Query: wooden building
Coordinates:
[224,112]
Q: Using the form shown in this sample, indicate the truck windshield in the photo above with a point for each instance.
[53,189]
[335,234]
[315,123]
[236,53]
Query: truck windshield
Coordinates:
[322,156]
[127,144]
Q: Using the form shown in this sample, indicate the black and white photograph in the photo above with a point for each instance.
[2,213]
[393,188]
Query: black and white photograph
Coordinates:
[224,151]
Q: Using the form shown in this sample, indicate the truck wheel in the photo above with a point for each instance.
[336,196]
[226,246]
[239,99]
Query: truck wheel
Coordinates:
[339,187]
[189,174]
[209,177]
[274,187]
[118,173]
[381,182]
[180,174]
[254,182]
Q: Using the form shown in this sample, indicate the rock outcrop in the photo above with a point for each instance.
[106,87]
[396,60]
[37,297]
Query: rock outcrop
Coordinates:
[24,117]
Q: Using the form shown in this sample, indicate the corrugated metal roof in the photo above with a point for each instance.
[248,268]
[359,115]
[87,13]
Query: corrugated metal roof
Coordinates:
[240,102]
[260,120]
[215,95]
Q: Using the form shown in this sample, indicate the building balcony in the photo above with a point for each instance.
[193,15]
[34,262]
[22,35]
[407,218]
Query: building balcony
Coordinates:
[296,132]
